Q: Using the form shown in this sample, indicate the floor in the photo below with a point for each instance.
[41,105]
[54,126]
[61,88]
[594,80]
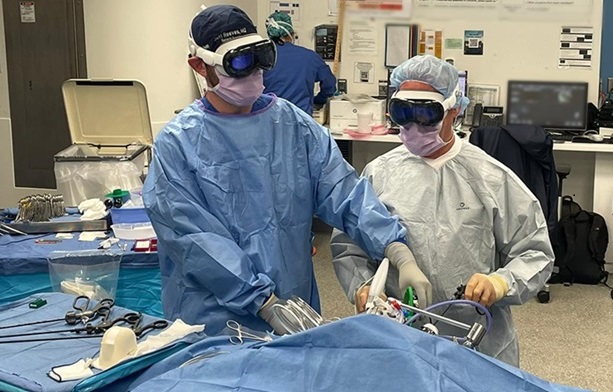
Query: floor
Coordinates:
[568,340]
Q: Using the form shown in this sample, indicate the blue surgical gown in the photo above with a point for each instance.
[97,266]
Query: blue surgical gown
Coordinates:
[232,197]
[295,74]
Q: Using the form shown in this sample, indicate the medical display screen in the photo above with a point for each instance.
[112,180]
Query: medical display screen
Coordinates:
[552,105]
[462,81]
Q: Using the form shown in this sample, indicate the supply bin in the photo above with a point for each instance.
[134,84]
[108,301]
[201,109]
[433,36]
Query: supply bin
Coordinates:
[93,273]
[111,134]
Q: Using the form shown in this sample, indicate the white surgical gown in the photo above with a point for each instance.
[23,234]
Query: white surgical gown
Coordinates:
[470,215]
[232,197]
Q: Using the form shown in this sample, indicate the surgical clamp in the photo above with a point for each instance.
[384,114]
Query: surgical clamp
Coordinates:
[241,335]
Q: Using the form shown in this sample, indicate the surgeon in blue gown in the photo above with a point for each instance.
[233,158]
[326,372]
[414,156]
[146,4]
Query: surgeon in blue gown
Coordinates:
[235,181]
[297,69]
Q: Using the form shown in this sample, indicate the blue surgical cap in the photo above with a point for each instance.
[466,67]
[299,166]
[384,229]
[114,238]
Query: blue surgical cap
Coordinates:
[439,74]
[218,24]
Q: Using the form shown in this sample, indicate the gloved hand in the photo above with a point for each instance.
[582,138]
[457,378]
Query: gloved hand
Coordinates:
[409,274]
[486,289]
[267,314]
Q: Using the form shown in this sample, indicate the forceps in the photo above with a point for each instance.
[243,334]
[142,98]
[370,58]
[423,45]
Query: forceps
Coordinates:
[241,335]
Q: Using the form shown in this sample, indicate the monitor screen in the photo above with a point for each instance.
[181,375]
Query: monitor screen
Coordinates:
[462,81]
[552,105]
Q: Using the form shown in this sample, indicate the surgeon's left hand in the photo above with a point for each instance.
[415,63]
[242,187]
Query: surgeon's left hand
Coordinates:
[486,289]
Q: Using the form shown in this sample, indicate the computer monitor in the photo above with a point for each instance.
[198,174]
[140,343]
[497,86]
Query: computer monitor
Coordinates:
[556,106]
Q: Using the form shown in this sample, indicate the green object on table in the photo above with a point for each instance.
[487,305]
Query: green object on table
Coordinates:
[117,194]
[38,303]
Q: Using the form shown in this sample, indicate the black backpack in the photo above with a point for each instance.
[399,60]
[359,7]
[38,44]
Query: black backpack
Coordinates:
[580,242]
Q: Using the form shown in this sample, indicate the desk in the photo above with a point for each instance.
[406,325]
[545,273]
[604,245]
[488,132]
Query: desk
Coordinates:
[24,271]
[590,181]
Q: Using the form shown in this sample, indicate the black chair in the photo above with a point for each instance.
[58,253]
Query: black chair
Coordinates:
[528,151]
[562,171]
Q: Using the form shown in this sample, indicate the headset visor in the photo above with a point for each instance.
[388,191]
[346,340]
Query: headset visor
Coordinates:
[420,107]
[243,60]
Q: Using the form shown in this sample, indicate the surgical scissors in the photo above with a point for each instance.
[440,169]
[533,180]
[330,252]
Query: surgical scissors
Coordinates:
[241,335]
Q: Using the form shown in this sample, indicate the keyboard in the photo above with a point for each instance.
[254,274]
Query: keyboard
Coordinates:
[562,137]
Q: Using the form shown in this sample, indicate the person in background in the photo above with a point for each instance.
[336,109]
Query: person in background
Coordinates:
[235,180]
[297,69]
[469,218]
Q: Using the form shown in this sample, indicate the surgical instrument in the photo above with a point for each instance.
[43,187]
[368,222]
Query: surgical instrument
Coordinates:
[241,335]
[296,315]
[140,331]
[202,357]
[97,335]
[128,318]
[392,309]
[79,314]
[408,314]
[9,230]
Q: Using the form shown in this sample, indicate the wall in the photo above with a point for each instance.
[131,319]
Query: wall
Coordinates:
[146,40]
[312,13]
[513,49]
[137,39]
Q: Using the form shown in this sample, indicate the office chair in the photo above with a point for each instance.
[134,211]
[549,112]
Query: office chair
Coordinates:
[534,166]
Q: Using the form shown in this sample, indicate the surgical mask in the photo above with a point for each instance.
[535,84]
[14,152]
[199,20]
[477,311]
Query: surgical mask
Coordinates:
[239,92]
[422,140]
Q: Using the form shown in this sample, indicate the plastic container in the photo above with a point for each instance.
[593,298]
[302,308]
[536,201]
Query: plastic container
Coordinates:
[93,273]
[136,195]
[133,231]
[111,136]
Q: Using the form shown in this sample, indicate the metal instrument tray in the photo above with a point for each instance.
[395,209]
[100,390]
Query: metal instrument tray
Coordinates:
[60,226]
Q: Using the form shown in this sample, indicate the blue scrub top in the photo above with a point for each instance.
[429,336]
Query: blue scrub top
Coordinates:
[295,74]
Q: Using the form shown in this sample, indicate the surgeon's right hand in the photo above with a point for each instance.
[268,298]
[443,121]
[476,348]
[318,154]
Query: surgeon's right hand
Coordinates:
[268,315]
[409,274]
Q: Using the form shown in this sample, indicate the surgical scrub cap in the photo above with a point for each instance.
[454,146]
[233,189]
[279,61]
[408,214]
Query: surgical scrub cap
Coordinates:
[218,24]
[429,69]
[278,25]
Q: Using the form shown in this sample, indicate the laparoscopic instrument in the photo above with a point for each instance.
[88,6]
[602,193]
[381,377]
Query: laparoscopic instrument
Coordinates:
[80,313]
[91,330]
[408,314]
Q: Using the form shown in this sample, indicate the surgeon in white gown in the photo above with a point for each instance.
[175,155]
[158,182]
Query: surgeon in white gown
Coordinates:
[470,220]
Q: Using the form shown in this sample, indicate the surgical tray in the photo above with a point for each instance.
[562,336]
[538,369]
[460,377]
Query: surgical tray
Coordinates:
[60,226]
